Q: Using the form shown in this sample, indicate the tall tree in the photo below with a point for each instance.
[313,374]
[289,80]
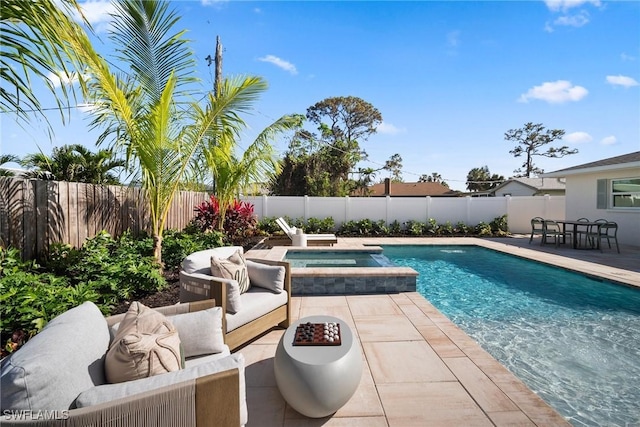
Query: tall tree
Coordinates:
[529,141]
[434,177]
[480,179]
[325,160]
[367,175]
[394,166]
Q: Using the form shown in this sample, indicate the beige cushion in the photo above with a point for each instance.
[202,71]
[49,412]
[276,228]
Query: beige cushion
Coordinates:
[145,345]
[266,276]
[233,267]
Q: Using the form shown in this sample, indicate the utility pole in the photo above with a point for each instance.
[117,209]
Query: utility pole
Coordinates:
[218,71]
[217,83]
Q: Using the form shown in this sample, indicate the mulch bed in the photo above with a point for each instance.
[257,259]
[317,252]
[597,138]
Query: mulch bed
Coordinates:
[171,294]
[168,296]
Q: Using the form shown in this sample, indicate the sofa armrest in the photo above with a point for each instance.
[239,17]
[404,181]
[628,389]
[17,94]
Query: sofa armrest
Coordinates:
[204,401]
[197,287]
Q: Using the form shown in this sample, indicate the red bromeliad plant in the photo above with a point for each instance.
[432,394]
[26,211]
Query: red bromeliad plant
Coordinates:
[239,223]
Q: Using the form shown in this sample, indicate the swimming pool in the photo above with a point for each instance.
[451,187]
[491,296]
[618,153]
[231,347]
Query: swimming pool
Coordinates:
[573,340]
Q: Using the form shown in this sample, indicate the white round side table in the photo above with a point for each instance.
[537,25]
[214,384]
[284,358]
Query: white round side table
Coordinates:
[318,380]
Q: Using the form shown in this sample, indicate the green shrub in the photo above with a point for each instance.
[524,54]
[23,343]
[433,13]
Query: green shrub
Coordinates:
[462,228]
[29,298]
[414,228]
[177,245]
[364,227]
[117,269]
[320,226]
[445,229]
[269,226]
[430,227]
[395,228]
[500,226]
[483,229]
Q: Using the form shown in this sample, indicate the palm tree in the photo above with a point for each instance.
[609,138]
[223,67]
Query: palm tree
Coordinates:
[74,163]
[258,163]
[34,37]
[98,167]
[161,133]
[7,158]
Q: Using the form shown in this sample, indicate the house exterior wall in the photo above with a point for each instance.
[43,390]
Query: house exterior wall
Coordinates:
[581,200]
[515,188]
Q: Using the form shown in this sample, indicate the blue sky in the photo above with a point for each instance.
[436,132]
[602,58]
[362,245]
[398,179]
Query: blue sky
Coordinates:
[449,78]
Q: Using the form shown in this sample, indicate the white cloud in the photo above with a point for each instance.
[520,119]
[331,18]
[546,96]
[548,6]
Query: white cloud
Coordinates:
[609,140]
[213,2]
[577,138]
[97,11]
[281,63]
[557,92]
[570,17]
[577,20]
[61,78]
[564,5]
[626,57]
[622,81]
[389,129]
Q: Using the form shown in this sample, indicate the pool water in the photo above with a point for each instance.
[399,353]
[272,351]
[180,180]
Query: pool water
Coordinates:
[315,259]
[573,340]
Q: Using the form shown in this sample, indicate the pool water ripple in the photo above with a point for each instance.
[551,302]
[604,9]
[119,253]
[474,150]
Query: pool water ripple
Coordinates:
[573,340]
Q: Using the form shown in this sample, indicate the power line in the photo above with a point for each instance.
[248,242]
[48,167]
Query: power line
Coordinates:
[271,118]
[384,164]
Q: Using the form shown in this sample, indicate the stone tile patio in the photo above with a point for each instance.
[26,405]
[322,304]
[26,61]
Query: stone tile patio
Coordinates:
[419,368]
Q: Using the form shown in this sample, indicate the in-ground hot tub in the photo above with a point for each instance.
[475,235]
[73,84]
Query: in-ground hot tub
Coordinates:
[336,258]
[318,271]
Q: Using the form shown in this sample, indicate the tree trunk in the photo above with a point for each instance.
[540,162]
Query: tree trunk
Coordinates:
[157,248]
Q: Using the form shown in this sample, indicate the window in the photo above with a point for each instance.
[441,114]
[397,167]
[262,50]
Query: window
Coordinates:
[625,193]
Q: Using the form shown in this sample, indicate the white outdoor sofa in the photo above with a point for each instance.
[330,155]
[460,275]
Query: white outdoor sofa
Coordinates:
[58,377]
[262,309]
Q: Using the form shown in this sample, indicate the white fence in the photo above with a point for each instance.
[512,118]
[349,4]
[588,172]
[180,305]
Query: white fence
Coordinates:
[470,210]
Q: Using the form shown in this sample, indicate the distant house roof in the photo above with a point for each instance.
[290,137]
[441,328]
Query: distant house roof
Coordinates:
[631,160]
[540,184]
[411,189]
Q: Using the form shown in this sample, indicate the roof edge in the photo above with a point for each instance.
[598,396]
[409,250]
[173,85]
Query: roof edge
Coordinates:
[583,171]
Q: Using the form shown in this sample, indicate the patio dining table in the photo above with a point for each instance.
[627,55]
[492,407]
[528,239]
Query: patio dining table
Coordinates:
[574,231]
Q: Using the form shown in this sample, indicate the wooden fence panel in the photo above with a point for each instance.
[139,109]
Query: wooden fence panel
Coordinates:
[29,218]
[72,216]
[42,219]
[34,213]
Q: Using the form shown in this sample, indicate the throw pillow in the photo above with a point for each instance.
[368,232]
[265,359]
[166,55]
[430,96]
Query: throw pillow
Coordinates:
[234,303]
[146,344]
[233,267]
[266,276]
[200,331]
